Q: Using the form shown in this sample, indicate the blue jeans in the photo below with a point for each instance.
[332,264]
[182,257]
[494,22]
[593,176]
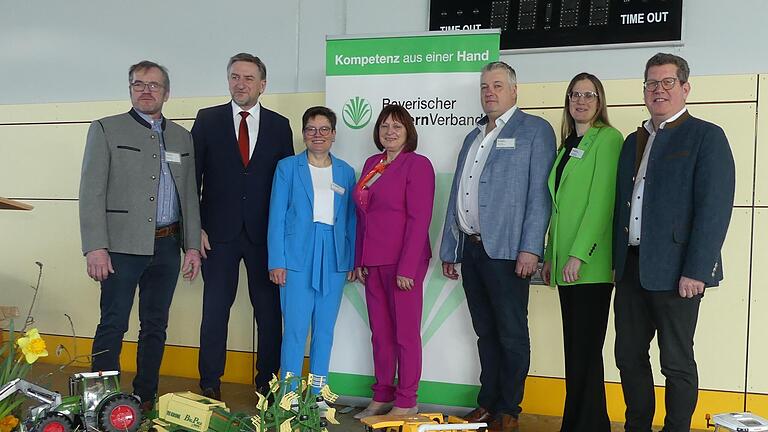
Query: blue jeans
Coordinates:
[156,277]
[498,304]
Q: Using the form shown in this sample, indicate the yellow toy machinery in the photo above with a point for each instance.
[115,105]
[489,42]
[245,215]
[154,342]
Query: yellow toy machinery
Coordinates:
[295,410]
[421,422]
[191,412]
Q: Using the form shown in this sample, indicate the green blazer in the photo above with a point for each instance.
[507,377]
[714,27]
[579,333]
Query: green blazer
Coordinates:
[582,210]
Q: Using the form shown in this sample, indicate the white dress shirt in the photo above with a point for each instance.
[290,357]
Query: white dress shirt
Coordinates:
[467,199]
[252,121]
[636,209]
[323,201]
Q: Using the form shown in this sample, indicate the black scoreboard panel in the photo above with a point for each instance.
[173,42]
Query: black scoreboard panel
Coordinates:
[563,23]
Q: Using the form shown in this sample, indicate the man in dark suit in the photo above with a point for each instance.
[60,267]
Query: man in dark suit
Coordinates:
[674,197]
[237,147]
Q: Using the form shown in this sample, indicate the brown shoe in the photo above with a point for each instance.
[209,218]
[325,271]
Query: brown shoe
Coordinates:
[479,415]
[503,423]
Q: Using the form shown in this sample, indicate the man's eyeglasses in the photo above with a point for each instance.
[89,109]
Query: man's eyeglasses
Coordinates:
[589,96]
[666,84]
[140,86]
[312,131]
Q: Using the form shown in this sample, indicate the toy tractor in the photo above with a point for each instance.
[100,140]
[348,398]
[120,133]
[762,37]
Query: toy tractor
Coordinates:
[95,403]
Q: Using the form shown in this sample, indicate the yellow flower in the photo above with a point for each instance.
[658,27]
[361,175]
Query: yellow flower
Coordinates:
[8,423]
[32,346]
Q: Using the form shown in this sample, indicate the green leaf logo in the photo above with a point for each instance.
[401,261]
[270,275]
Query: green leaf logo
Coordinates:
[356,113]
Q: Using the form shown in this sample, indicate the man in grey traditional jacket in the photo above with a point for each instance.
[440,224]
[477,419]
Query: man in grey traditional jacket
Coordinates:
[138,208]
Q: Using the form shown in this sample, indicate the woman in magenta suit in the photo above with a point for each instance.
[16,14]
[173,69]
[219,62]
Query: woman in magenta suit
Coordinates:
[394,208]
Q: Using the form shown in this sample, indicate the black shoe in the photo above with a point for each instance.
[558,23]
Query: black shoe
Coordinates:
[264,391]
[212,393]
[147,407]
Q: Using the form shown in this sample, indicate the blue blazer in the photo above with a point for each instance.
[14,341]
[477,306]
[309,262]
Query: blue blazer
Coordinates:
[514,201]
[291,231]
[687,203]
[233,196]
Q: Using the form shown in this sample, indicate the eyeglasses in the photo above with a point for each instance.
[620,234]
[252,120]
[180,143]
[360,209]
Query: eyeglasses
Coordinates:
[666,84]
[395,127]
[312,131]
[589,96]
[140,86]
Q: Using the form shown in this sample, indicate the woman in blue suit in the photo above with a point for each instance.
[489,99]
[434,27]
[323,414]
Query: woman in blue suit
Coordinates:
[310,240]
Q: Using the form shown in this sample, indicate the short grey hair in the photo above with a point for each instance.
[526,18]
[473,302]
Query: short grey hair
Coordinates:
[661,59]
[250,58]
[146,64]
[500,65]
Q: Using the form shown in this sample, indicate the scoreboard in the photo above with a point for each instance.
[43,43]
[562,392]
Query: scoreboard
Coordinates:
[564,24]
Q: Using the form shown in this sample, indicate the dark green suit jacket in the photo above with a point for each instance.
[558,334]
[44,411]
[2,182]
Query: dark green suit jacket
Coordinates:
[687,203]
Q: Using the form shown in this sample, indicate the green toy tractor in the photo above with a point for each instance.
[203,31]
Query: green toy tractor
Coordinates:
[95,403]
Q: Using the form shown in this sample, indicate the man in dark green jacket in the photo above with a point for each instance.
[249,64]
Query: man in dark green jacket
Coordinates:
[674,197]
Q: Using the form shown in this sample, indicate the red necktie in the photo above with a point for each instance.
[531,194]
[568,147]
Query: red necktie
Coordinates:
[243,141]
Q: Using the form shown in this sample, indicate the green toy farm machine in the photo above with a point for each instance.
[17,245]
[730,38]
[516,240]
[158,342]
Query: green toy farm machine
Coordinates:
[293,410]
[95,402]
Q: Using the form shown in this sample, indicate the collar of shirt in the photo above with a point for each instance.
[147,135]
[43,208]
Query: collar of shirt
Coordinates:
[254,111]
[500,122]
[648,125]
[156,123]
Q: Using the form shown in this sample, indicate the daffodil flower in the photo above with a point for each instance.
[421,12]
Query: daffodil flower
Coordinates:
[32,346]
[8,423]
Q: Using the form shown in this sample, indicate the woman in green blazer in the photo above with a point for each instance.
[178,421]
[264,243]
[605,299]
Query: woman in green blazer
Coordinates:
[578,254]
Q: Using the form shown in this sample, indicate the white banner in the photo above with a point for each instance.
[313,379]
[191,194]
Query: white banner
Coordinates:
[436,77]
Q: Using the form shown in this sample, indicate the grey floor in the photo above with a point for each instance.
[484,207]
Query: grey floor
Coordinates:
[241,398]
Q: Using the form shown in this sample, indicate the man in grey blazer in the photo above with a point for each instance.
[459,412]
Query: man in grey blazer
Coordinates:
[138,207]
[674,198]
[497,216]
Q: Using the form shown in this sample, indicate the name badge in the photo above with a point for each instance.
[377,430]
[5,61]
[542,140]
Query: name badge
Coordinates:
[172,157]
[577,153]
[506,143]
[338,189]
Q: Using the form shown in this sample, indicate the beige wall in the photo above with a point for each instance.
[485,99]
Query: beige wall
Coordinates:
[41,148]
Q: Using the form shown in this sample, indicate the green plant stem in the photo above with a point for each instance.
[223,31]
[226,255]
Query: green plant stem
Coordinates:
[9,409]
[5,370]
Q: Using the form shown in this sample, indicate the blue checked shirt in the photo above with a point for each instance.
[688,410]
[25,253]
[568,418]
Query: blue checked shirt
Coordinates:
[167,198]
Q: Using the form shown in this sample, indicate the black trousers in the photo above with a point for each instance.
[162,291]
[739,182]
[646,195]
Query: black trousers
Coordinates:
[585,309]
[156,276]
[220,272]
[639,315]
[498,303]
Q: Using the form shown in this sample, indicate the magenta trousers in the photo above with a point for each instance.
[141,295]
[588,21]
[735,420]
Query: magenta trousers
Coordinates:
[395,319]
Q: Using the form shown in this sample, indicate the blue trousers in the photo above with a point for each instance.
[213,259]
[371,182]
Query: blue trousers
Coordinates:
[156,276]
[312,297]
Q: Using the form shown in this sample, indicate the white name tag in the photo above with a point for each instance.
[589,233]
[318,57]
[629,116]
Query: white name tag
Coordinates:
[172,157]
[508,143]
[577,153]
[338,189]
